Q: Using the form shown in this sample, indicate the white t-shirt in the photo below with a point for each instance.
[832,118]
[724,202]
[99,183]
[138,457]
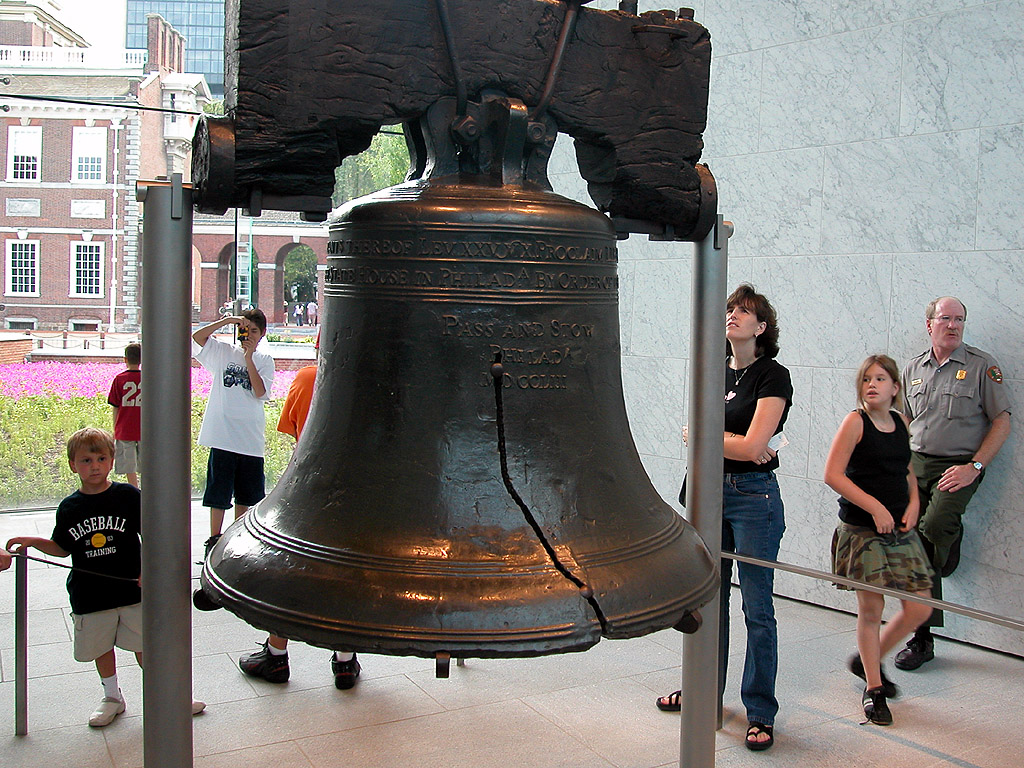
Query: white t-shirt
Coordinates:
[234,419]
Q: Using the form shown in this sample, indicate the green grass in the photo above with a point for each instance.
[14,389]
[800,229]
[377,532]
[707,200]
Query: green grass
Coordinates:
[34,431]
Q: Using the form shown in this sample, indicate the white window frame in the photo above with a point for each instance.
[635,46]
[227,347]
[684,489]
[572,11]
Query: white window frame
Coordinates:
[88,144]
[9,267]
[8,321]
[78,247]
[25,141]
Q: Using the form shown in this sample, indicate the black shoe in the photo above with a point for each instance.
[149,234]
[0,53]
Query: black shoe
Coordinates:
[892,691]
[273,669]
[209,544]
[345,672]
[953,560]
[875,707]
[918,651]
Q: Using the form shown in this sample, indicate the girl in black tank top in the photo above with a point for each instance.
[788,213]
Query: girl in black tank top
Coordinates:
[876,541]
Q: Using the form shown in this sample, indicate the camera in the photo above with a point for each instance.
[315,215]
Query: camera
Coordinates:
[243,334]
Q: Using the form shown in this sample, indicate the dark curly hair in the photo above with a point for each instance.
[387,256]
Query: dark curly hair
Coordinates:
[746,296]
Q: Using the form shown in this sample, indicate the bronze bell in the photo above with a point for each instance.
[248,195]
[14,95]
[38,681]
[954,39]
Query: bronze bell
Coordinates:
[466,482]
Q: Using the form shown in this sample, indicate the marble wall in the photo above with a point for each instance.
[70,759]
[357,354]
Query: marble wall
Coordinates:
[871,156]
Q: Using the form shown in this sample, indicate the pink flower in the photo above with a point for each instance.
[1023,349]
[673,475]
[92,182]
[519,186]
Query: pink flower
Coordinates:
[67,380]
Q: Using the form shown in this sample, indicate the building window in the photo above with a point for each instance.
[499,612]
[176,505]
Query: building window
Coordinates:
[22,268]
[88,209]
[23,207]
[21,323]
[83,325]
[24,148]
[89,155]
[86,269]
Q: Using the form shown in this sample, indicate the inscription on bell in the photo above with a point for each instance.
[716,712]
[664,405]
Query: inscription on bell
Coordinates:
[478,276]
[515,250]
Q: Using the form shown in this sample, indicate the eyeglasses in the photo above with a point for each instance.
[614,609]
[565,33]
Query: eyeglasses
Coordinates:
[950,320]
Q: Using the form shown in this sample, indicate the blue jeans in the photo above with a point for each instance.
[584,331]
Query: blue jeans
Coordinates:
[752,524]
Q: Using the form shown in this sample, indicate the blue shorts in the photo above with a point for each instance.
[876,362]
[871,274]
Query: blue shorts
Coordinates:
[233,474]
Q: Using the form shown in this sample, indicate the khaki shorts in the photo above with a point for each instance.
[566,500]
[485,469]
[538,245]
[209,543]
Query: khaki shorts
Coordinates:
[126,456]
[98,632]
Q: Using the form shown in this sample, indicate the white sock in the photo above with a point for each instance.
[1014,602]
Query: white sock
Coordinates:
[110,689]
[277,651]
[343,656]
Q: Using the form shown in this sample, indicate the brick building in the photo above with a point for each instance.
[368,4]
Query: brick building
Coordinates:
[68,216]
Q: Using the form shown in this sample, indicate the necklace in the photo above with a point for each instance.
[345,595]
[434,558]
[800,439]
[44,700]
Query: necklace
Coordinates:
[737,376]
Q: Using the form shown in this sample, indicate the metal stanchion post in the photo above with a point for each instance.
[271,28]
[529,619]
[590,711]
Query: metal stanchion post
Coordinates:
[21,646]
[701,704]
[166,498]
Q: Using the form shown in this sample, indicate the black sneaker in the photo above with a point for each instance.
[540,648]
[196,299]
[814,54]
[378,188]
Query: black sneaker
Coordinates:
[892,691]
[953,560]
[273,669]
[918,651]
[207,546]
[345,672]
[875,707]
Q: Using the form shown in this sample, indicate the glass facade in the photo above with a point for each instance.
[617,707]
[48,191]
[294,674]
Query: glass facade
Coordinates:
[202,24]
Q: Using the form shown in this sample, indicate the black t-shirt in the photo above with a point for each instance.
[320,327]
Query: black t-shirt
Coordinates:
[102,533]
[762,378]
[878,466]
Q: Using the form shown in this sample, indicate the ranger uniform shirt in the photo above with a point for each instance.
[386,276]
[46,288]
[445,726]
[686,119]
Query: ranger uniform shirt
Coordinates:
[952,406]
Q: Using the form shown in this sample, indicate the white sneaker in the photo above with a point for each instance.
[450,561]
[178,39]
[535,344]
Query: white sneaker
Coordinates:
[198,706]
[106,712]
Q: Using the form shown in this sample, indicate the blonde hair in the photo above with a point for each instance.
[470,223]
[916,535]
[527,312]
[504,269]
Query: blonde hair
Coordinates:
[888,365]
[90,439]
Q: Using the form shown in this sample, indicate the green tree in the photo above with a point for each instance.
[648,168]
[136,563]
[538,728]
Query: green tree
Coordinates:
[384,163]
[300,274]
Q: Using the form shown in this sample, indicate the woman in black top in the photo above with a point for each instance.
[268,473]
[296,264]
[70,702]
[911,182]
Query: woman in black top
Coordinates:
[758,395]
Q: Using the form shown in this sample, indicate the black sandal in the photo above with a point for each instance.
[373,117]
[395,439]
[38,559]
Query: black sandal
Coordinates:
[755,729]
[670,703]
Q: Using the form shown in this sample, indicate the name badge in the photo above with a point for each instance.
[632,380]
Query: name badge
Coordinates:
[915,382]
[961,375]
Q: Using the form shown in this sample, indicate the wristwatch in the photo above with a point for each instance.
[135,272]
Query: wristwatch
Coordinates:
[977,465]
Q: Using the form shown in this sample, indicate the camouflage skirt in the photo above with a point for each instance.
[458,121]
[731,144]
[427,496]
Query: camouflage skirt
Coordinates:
[895,560]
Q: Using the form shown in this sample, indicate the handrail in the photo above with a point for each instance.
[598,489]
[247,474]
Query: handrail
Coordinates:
[963,610]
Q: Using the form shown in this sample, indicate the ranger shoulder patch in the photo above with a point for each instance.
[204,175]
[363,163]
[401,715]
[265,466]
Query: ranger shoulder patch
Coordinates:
[995,374]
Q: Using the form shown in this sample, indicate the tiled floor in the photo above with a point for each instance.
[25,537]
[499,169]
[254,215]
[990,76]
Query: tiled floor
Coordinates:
[589,710]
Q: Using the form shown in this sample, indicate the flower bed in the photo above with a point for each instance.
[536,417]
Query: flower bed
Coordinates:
[41,404]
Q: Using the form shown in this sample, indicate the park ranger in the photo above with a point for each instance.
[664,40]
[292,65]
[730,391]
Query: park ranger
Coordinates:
[959,411]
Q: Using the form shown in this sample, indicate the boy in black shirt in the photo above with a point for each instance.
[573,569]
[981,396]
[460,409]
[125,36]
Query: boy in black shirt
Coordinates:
[99,526]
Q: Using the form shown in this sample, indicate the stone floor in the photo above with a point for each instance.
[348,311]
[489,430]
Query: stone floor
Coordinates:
[589,710]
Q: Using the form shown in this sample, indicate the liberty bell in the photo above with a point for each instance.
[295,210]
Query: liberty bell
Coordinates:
[466,482]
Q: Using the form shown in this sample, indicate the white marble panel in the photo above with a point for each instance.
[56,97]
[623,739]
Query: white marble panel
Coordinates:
[626,282]
[661,308]
[1001,187]
[991,284]
[774,199]
[860,14]
[655,392]
[833,395]
[793,458]
[833,310]
[831,90]
[734,104]
[572,186]
[962,69]
[741,25]
[811,514]
[901,195]
[666,476]
[563,157]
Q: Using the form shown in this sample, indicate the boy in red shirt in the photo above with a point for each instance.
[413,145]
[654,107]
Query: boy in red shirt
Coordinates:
[126,397]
